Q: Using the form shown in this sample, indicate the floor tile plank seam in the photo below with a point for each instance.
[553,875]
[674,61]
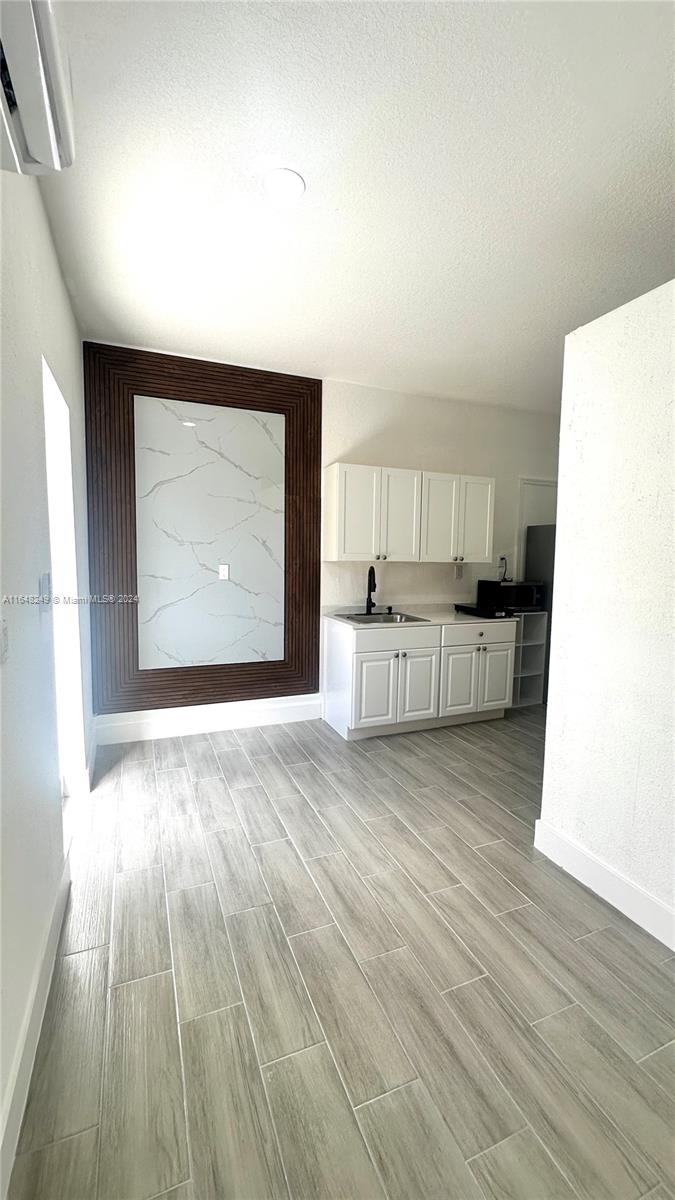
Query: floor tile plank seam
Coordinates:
[112,987]
[400,1087]
[213,1012]
[85,950]
[335,920]
[169,1191]
[320,1024]
[657,1051]
[337,1069]
[314,929]
[573,1004]
[544,1148]
[261,1073]
[483,975]
[533,951]
[411,949]
[366,982]
[468,887]
[569,988]
[438,913]
[289,835]
[491,1070]
[641,998]
[623,1130]
[191,887]
[526,1123]
[181,1054]
[67,1137]
[442,824]
[104,1067]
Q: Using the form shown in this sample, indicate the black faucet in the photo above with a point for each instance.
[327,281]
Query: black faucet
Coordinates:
[372,587]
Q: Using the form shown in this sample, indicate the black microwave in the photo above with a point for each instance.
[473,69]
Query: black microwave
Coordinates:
[496,599]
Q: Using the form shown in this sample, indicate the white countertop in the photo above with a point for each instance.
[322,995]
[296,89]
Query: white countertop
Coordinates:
[432,613]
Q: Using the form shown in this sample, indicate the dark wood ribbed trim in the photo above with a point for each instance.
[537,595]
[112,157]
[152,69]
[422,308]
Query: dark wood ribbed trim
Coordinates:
[112,376]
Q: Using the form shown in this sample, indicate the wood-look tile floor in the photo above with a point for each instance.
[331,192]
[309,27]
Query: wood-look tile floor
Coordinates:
[293,966]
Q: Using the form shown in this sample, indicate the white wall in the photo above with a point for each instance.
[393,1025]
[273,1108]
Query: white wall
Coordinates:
[36,320]
[608,784]
[369,425]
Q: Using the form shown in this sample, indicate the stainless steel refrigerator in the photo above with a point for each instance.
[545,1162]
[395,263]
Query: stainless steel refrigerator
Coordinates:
[539,564]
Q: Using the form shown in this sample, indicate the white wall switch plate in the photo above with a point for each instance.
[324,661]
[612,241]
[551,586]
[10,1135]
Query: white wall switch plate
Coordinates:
[224,571]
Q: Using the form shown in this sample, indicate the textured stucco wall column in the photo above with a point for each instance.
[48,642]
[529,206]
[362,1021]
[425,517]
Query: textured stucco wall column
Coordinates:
[608,781]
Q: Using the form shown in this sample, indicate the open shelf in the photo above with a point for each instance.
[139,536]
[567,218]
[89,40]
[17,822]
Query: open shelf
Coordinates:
[530,659]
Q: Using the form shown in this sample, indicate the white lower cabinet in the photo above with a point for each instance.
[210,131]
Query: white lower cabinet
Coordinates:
[495,686]
[418,684]
[395,676]
[375,689]
[460,669]
[476,678]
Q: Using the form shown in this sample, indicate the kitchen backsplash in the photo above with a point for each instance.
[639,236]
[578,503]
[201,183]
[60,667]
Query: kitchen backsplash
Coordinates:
[344,584]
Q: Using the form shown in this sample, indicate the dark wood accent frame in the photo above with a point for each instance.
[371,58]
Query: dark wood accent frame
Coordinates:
[112,376]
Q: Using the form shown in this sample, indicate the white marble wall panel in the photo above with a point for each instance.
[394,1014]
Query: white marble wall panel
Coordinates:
[209,491]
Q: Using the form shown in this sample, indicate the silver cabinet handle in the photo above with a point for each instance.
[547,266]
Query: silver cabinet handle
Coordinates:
[396,654]
[478,649]
[404,654]
[484,649]
[454,558]
[461,558]
[377,556]
[384,556]
[481,634]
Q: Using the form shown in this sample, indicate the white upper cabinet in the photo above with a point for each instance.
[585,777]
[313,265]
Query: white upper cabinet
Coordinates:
[374,513]
[400,514]
[476,519]
[354,494]
[440,516]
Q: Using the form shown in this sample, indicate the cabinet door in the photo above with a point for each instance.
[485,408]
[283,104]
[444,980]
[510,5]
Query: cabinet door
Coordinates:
[375,689]
[476,518]
[440,517]
[495,688]
[358,515]
[460,669]
[400,521]
[418,684]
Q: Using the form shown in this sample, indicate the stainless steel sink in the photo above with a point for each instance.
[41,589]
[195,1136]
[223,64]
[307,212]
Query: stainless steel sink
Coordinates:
[393,618]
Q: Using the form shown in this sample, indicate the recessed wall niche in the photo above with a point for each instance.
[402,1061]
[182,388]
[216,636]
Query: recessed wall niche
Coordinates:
[204,530]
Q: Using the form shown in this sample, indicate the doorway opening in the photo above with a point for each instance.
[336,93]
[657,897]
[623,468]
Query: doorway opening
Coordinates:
[537,502]
[64,606]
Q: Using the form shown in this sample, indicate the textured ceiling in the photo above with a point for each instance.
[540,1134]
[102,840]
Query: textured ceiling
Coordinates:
[482,178]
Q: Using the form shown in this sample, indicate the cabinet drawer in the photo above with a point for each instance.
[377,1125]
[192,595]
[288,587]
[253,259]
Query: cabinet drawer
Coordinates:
[473,633]
[397,637]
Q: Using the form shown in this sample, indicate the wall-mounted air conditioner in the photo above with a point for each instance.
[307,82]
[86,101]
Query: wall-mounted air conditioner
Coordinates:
[37,120]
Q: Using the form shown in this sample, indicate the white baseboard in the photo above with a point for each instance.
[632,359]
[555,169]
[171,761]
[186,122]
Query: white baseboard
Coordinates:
[19,1076]
[91,753]
[204,718]
[633,901]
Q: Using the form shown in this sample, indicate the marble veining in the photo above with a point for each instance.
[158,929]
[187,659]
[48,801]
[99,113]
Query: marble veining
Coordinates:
[209,491]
